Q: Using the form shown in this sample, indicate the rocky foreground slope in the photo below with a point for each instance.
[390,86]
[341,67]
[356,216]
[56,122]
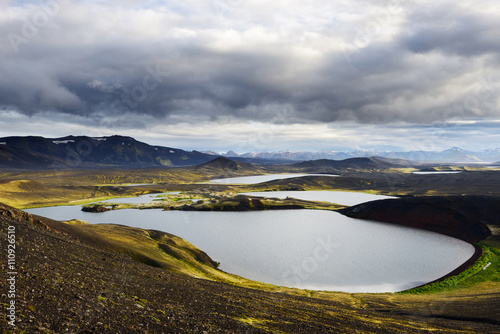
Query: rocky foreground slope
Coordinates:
[67,283]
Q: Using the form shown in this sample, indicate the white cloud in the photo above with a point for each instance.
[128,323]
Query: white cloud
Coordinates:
[301,67]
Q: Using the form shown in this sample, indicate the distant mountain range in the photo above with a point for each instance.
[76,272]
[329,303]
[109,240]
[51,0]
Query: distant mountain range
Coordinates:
[451,155]
[119,151]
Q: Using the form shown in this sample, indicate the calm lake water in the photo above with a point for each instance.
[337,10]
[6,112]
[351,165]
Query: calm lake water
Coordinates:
[339,197]
[263,178]
[310,249]
[437,172]
[138,199]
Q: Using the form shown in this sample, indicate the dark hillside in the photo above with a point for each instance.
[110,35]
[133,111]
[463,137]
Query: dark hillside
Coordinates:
[373,163]
[463,217]
[224,163]
[91,152]
[13,158]
[471,183]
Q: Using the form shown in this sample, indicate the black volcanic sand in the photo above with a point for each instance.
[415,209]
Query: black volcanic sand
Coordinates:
[67,286]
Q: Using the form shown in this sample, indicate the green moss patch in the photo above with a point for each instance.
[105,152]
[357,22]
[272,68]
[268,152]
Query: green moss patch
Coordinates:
[485,269]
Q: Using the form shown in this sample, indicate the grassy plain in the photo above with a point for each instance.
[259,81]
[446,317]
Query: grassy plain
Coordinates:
[47,188]
[23,189]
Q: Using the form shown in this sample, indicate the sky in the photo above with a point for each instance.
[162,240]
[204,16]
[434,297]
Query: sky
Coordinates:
[254,75]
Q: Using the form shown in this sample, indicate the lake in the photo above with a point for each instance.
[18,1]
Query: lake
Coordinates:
[339,197]
[138,199]
[437,172]
[310,249]
[263,178]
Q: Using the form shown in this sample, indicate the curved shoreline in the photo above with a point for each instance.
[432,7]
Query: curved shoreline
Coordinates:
[464,218]
[478,252]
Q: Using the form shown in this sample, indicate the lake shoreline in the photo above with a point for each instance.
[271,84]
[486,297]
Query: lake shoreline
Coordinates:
[461,217]
[181,223]
[247,203]
[478,252]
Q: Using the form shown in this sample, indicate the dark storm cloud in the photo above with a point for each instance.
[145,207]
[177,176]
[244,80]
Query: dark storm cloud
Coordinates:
[465,32]
[161,63]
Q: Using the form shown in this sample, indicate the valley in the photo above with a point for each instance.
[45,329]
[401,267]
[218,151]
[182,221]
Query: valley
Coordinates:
[461,205]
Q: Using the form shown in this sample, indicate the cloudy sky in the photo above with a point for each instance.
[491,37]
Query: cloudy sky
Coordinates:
[254,75]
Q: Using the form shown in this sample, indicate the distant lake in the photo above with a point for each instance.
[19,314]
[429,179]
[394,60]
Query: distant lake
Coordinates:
[339,197]
[138,199]
[263,178]
[437,172]
[310,249]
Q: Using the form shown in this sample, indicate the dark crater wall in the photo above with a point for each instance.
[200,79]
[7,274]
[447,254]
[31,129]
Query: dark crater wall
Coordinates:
[462,217]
